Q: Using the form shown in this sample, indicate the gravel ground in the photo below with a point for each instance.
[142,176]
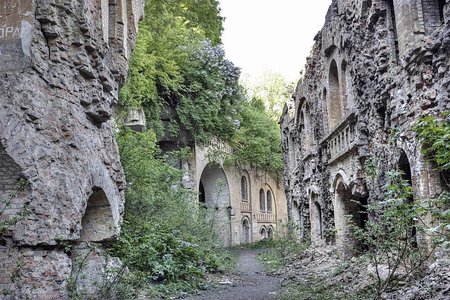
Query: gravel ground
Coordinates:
[250,282]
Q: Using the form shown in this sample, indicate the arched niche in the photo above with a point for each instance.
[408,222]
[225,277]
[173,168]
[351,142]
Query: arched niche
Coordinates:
[246,230]
[270,232]
[217,201]
[316,216]
[263,232]
[345,208]
[97,224]
[334,101]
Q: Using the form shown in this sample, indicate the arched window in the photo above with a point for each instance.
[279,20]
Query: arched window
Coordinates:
[334,105]
[262,201]
[270,233]
[269,201]
[244,188]
[263,232]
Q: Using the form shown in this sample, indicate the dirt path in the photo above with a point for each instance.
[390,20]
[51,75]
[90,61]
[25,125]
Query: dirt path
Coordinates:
[253,283]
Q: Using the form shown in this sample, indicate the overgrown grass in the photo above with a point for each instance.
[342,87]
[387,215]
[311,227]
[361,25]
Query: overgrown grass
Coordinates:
[280,250]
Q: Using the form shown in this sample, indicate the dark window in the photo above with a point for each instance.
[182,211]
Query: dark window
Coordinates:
[244,188]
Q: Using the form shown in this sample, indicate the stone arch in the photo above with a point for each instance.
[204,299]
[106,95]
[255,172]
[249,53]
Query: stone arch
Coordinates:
[262,200]
[97,223]
[246,230]
[270,232]
[345,208]
[404,167]
[217,200]
[334,101]
[244,188]
[263,232]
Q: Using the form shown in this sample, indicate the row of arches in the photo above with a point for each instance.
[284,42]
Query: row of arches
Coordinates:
[265,196]
[345,207]
[266,232]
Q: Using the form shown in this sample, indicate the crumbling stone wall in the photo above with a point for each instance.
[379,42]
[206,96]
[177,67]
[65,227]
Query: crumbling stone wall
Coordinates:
[376,68]
[61,63]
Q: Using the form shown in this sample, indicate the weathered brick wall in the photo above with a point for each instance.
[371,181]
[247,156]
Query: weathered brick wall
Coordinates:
[60,78]
[389,73]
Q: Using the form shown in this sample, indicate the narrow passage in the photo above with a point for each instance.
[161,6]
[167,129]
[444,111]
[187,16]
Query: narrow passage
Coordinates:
[253,283]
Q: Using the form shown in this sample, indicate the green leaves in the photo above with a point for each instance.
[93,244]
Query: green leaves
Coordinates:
[258,140]
[434,133]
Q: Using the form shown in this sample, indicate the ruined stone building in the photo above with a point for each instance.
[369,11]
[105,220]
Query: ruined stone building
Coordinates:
[61,182]
[376,68]
[245,204]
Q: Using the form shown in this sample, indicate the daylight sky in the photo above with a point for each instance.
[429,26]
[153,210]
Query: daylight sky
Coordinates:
[272,35]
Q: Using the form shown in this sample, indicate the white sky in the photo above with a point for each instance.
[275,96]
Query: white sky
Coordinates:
[274,35]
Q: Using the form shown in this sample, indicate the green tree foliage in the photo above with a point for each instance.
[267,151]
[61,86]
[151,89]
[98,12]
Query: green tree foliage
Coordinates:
[274,90]
[258,140]
[164,237]
[211,94]
[176,66]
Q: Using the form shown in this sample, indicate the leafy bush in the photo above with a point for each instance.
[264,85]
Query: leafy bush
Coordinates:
[390,235]
[435,135]
[165,238]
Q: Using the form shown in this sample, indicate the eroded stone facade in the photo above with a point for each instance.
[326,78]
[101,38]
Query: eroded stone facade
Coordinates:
[376,68]
[244,204]
[61,63]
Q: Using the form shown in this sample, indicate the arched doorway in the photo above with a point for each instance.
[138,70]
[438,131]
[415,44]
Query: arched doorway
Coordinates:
[346,209]
[246,230]
[214,191]
[405,169]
